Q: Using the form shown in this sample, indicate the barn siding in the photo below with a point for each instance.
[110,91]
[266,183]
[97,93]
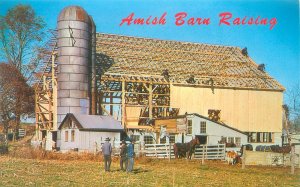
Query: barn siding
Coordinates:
[68,145]
[246,110]
[86,140]
[89,140]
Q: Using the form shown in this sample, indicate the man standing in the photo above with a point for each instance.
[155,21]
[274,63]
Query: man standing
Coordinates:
[130,156]
[106,151]
[123,155]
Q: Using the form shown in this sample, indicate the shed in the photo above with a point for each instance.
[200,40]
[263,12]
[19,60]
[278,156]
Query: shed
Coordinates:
[87,132]
[189,126]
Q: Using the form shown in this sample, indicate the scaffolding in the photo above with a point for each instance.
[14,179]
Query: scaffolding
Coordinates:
[46,88]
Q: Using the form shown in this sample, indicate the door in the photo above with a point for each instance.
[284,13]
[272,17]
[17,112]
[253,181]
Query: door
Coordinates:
[202,139]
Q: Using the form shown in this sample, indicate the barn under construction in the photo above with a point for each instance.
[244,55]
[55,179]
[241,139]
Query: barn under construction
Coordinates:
[137,80]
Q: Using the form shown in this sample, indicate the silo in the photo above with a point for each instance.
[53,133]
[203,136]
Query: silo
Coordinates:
[74,55]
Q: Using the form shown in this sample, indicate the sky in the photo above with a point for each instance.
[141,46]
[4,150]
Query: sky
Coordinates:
[277,48]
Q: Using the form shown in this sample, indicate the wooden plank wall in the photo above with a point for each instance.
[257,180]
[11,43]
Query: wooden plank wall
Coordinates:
[246,110]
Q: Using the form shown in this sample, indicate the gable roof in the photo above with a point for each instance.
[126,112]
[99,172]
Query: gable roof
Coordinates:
[203,117]
[132,57]
[223,124]
[94,123]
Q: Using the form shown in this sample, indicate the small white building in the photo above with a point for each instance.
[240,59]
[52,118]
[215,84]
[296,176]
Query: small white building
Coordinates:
[86,132]
[211,132]
[184,128]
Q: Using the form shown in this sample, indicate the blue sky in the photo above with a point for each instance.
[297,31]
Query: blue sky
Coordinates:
[277,48]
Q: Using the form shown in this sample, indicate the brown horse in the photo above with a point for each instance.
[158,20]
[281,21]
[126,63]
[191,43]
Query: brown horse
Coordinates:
[185,149]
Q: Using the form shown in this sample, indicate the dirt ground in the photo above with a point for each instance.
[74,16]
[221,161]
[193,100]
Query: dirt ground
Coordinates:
[147,172]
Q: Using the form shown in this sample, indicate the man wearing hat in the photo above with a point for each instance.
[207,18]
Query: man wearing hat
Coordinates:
[130,156]
[106,151]
[123,155]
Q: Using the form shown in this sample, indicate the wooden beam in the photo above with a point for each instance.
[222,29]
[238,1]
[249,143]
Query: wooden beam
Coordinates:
[123,105]
[150,101]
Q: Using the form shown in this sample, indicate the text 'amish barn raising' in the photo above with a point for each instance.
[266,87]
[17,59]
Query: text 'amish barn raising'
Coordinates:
[181,18]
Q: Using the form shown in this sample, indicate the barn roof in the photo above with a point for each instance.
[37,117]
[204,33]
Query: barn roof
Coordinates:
[203,117]
[133,58]
[223,124]
[94,122]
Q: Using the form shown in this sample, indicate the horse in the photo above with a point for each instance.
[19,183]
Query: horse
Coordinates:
[185,149]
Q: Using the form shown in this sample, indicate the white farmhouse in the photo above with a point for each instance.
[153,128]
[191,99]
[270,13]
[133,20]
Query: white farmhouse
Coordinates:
[86,132]
[186,127]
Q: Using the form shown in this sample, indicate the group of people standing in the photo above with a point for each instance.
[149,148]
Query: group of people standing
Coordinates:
[126,155]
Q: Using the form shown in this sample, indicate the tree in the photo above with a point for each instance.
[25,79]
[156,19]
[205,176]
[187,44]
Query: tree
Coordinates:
[16,97]
[21,34]
[293,100]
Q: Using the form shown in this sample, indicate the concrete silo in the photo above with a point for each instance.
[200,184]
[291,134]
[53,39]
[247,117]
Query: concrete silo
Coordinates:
[74,59]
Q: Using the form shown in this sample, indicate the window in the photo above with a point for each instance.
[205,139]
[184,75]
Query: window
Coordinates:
[238,141]
[230,140]
[72,135]
[259,137]
[266,137]
[163,140]
[148,139]
[172,138]
[223,140]
[189,127]
[135,138]
[214,114]
[253,137]
[66,136]
[270,137]
[203,127]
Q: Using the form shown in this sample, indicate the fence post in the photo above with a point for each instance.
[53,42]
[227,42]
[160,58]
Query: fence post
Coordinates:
[169,151]
[202,154]
[244,157]
[155,150]
[293,160]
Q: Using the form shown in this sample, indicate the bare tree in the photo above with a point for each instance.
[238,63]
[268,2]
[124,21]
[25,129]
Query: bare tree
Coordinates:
[16,97]
[293,102]
[21,36]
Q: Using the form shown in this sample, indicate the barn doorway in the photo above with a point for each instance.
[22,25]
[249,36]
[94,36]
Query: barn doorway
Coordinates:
[44,134]
[202,139]
[54,140]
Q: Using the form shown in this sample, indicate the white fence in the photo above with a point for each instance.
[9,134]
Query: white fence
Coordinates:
[22,133]
[209,152]
[159,150]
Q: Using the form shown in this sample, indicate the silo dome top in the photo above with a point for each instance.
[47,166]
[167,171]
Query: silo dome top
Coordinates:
[73,13]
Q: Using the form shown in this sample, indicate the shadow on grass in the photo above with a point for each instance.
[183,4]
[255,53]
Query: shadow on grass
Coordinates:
[134,171]
[139,170]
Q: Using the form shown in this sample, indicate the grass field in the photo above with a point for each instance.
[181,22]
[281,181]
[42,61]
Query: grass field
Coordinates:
[31,172]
